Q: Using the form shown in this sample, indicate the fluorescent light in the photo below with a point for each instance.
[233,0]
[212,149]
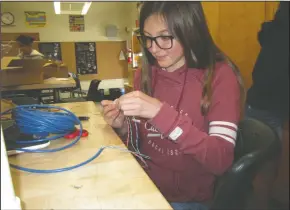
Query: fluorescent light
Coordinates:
[86,7]
[84,11]
[56,7]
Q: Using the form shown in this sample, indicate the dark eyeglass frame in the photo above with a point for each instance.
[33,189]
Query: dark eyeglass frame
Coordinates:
[140,37]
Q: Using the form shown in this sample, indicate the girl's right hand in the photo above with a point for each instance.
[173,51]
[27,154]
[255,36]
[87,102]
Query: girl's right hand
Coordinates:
[112,114]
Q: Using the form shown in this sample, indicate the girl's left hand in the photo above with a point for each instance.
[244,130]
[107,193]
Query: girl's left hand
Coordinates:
[139,104]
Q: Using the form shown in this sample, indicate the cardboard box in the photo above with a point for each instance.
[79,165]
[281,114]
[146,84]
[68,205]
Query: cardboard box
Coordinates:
[6,105]
[55,70]
[15,71]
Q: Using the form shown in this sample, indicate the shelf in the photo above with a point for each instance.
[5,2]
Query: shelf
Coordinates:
[8,25]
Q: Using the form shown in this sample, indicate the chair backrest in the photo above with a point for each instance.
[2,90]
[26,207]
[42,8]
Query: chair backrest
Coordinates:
[256,144]
[77,81]
[93,93]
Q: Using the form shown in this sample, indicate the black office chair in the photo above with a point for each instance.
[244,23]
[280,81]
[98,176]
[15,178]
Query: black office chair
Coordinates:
[93,94]
[77,90]
[256,144]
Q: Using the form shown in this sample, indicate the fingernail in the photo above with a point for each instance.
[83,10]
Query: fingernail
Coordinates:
[116,102]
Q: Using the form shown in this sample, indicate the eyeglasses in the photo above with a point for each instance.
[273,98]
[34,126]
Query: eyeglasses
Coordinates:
[163,42]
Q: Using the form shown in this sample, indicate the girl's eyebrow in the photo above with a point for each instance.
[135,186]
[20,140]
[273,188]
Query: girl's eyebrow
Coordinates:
[160,32]
[145,32]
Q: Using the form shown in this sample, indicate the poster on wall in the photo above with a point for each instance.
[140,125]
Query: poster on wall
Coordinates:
[76,23]
[35,19]
[86,61]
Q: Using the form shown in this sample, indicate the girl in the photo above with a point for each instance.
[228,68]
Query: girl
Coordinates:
[186,104]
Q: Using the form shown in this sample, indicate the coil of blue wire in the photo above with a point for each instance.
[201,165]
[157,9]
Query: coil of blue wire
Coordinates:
[39,121]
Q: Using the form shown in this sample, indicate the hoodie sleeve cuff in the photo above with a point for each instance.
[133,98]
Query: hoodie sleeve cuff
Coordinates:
[165,119]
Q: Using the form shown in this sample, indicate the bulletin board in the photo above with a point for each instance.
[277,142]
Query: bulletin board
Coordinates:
[86,59]
[108,64]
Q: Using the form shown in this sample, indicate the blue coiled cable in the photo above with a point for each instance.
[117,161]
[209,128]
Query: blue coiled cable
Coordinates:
[31,120]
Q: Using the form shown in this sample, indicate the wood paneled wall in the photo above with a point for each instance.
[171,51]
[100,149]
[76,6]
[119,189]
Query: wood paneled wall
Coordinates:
[108,64]
[110,67]
[270,9]
[234,27]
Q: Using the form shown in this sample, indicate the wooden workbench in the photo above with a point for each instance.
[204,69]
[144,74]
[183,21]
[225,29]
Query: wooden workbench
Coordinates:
[54,84]
[51,83]
[114,180]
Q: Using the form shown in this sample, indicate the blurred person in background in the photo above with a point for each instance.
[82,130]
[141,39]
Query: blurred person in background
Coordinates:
[268,97]
[26,50]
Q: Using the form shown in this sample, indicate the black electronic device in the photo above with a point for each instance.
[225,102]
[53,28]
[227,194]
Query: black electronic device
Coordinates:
[12,134]
[51,50]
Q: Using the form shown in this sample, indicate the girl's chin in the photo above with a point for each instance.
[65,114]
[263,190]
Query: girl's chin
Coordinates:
[164,64]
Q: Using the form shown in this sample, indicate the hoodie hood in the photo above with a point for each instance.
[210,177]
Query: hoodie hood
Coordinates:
[171,84]
[170,78]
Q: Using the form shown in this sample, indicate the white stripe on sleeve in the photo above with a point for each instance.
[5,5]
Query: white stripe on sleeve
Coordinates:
[224,131]
[224,123]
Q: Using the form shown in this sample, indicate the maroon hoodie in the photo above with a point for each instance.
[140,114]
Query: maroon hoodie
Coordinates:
[188,150]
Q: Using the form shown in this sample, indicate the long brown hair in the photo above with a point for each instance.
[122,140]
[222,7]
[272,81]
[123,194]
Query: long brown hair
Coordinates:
[186,21]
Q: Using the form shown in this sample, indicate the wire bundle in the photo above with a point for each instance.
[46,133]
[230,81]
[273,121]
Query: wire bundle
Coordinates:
[135,145]
[32,119]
